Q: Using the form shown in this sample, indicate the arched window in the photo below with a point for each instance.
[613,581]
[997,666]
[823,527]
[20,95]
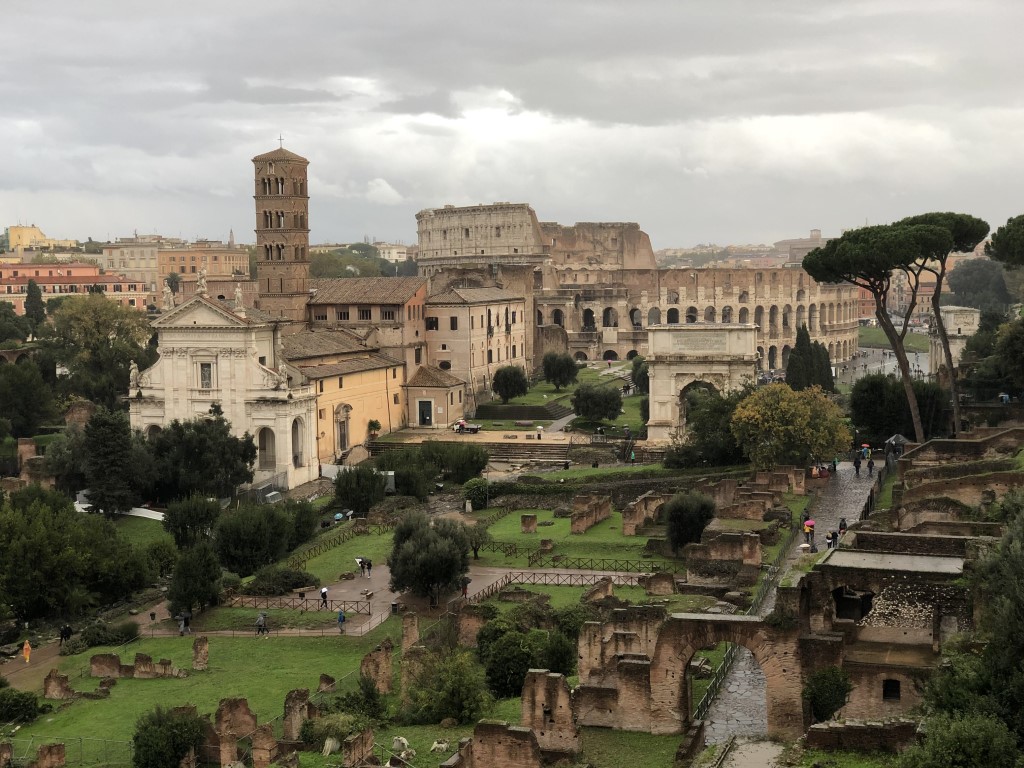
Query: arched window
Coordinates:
[540,317]
[801,317]
[812,318]
[265,444]
[709,315]
[691,314]
[588,320]
[635,318]
[673,316]
[744,315]
[298,438]
[787,312]
[773,357]
[759,316]
[653,316]
[631,354]
[610,354]
[581,355]
[558,318]
[610,318]
[785,356]
[773,318]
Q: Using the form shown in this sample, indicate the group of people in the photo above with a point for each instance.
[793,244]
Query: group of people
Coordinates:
[857,465]
[365,566]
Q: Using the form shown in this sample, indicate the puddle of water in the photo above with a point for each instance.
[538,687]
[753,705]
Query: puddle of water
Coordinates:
[754,754]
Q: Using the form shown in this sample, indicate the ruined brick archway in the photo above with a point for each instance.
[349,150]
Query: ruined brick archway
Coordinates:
[776,652]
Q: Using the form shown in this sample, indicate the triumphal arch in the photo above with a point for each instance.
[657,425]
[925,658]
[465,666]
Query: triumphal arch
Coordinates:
[719,355]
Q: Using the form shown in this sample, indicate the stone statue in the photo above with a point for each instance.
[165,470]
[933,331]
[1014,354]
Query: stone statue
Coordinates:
[238,296]
[133,375]
[201,281]
[168,296]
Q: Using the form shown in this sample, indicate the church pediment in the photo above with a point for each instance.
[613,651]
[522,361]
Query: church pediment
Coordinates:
[199,311]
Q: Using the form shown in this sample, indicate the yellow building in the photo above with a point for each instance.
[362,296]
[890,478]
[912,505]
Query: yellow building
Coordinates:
[354,385]
[20,238]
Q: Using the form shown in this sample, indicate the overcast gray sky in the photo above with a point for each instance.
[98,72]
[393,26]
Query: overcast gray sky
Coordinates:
[714,121]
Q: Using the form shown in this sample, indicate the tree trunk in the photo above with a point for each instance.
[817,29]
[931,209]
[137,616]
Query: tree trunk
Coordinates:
[947,353]
[896,342]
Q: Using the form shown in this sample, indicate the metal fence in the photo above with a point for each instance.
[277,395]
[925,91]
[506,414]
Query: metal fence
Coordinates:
[77,751]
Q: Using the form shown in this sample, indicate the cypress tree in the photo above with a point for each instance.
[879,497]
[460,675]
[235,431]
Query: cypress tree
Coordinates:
[800,371]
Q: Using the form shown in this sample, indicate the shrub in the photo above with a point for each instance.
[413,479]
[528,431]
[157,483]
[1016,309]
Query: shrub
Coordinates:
[305,521]
[687,515]
[367,701]
[645,409]
[337,725]
[510,657]
[73,647]
[826,690]
[163,737]
[476,492]
[359,488]
[278,580]
[230,582]
[17,706]
[459,462]
[594,403]
[968,741]
[570,620]
[450,684]
[560,654]
[109,634]
[161,555]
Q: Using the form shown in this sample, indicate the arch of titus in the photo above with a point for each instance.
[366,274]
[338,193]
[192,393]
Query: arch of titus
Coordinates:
[722,355]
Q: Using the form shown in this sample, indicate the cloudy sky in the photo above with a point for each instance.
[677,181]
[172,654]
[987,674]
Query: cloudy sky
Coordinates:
[721,121]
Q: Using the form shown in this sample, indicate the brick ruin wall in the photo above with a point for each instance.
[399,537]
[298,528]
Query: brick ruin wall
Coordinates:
[856,736]
[973,491]
[144,668]
[588,510]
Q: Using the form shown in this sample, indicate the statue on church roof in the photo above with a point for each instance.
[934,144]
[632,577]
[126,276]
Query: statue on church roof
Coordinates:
[168,296]
[201,281]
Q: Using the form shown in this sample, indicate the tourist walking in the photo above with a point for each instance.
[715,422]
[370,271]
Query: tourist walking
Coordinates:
[26,651]
[856,465]
[369,567]
[323,596]
[341,621]
[871,467]
[261,625]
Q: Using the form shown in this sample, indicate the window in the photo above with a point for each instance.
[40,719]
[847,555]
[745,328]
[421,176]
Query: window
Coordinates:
[444,365]
[451,398]
[460,395]
[465,232]
[318,315]
[395,398]
[206,375]
[513,351]
[490,356]
[387,313]
[343,314]
[497,231]
[472,322]
[394,373]
[341,382]
[454,323]
[419,356]
[890,690]
[263,360]
[513,317]
[321,388]
[320,413]
[431,323]
[364,313]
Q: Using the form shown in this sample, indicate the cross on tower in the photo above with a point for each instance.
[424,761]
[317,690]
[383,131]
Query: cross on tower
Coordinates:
[280,140]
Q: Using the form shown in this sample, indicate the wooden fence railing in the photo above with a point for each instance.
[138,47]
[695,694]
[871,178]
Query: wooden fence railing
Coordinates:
[292,602]
[539,559]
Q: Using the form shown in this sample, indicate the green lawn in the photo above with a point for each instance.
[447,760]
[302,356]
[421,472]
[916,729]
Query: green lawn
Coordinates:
[511,426]
[605,748]
[341,559]
[604,540]
[542,393]
[263,671]
[875,338]
[884,500]
[814,757]
[141,531]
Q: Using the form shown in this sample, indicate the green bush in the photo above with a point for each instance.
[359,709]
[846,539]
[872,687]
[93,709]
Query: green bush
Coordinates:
[476,492]
[968,741]
[448,684]
[161,555]
[278,580]
[367,701]
[688,515]
[826,690]
[230,582]
[163,737]
[73,647]
[458,462]
[597,403]
[509,658]
[17,706]
[110,634]
[337,725]
[559,654]
[570,620]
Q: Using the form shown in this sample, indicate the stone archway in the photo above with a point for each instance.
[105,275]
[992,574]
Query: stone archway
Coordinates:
[776,653]
[557,317]
[673,316]
[589,322]
[680,356]
[654,316]
[610,318]
[636,318]
[581,355]
[610,354]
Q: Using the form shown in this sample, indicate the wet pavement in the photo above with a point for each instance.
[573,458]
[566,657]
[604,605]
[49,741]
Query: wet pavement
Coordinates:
[740,710]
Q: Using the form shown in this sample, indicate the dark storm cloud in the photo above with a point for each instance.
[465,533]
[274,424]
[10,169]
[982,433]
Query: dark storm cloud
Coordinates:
[728,121]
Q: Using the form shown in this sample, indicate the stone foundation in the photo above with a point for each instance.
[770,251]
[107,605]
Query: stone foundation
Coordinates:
[853,736]
[528,523]
[376,665]
[547,709]
[410,631]
[144,668]
[588,510]
[57,686]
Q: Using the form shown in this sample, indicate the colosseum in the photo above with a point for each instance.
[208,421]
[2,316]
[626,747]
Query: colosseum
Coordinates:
[595,288]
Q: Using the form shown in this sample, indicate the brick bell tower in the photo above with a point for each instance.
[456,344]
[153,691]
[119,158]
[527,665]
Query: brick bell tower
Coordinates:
[282,234]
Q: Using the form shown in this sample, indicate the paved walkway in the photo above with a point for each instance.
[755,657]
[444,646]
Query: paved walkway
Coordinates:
[739,710]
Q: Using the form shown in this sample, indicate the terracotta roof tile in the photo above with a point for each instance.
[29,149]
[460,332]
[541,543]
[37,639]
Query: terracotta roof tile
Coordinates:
[307,344]
[365,290]
[373,361]
[473,296]
[427,376]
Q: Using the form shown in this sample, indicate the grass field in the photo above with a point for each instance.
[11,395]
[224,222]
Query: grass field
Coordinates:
[542,393]
[630,417]
[875,338]
[141,531]
[342,558]
[263,671]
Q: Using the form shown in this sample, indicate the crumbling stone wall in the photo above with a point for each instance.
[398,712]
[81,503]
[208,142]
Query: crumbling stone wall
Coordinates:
[297,710]
[733,555]
[603,588]
[659,584]
[1004,443]
[144,668]
[547,709]
[200,654]
[410,631]
[638,512]
[893,736]
[57,686]
[528,523]
[376,665]
[973,490]
[588,510]
[412,662]
[356,748]
[912,543]
[470,621]
[867,701]
[496,743]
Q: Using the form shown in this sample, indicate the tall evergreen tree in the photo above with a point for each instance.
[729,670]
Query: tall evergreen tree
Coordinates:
[35,310]
[822,367]
[108,463]
[800,371]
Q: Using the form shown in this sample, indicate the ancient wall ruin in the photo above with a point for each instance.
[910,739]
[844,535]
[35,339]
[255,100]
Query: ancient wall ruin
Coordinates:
[144,668]
[588,510]
[547,710]
[376,665]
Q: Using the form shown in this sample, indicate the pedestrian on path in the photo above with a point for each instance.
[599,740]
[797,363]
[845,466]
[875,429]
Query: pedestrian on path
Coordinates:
[323,596]
[856,465]
[261,625]
[842,525]
[871,467]
[341,621]
[26,651]
[369,567]
[362,566]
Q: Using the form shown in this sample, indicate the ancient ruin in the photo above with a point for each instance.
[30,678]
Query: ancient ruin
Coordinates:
[589,509]
[144,668]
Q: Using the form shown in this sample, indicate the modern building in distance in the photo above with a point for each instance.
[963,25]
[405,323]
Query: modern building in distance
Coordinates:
[222,260]
[136,260]
[396,253]
[21,238]
[74,279]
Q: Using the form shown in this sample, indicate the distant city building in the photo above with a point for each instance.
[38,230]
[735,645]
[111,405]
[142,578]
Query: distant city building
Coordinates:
[21,238]
[136,260]
[74,279]
[396,253]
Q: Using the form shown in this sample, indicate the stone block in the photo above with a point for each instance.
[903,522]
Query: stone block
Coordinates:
[326,683]
[528,523]
[376,665]
[296,712]
[56,686]
[200,653]
[105,665]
